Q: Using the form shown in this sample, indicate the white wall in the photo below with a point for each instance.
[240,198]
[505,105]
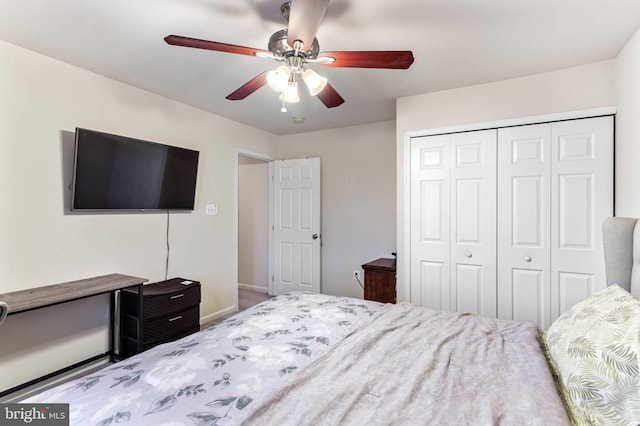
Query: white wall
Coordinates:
[253,225]
[42,101]
[358,197]
[627,92]
[571,89]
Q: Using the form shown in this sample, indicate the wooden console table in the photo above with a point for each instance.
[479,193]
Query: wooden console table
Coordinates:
[40,297]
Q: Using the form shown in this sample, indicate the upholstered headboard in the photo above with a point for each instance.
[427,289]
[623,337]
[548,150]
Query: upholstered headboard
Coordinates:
[4,310]
[622,253]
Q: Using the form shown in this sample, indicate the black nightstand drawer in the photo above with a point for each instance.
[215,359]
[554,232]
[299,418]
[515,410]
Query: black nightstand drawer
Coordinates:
[159,328]
[162,298]
[170,310]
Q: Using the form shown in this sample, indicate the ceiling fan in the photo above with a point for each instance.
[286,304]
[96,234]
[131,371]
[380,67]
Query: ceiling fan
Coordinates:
[295,47]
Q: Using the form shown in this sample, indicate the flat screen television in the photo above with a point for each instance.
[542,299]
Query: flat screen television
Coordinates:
[114,172]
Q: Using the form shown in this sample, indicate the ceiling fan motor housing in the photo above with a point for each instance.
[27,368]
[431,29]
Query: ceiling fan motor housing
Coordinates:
[280,48]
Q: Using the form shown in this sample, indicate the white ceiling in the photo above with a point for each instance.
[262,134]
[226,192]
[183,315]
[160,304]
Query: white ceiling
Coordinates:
[455,43]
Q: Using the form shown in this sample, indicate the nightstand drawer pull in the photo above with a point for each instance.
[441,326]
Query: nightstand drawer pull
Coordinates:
[177,296]
[175,318]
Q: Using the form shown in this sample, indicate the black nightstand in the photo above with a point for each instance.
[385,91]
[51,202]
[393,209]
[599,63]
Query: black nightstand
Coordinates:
[168,311]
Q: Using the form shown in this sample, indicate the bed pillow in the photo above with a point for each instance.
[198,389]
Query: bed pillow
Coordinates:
[595,349]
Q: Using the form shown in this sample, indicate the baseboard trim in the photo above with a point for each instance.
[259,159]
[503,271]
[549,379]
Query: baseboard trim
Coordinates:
[256,288]
[219,314]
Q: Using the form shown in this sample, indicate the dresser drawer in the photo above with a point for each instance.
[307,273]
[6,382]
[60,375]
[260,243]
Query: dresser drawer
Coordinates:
[170,325]
[170,310]
[155,305]
[160,300]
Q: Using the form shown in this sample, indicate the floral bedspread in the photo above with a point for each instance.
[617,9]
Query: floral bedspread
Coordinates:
[210,377]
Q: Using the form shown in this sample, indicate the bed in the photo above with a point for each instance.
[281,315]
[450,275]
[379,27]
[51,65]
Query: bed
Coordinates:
[303,358]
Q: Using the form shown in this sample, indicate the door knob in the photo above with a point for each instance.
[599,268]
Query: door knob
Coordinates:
[468,253]
[315,236]
[527,258]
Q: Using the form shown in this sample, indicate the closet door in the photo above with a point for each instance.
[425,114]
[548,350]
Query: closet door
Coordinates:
[453,225]
[524,228]
[473,222]
[430,221]
[555,185]
[582,188]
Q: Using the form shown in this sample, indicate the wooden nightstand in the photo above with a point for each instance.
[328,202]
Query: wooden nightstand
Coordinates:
[168,310]
[380,280]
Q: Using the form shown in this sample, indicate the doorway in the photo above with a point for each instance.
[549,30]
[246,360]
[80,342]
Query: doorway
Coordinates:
[296,261]
[252,236]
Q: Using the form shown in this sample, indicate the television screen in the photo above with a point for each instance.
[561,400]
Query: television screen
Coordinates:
[120,173]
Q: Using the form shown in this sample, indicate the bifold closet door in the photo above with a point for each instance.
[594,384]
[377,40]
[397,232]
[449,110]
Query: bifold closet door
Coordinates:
[582,198]
[453,222]
[555,185]
[524,223]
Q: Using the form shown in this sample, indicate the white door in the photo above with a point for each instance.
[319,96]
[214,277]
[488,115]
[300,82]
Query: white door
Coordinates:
[524,229]
[582,189]
[296,225]
[453,225]
[431,222]
[555,190]
[473,227]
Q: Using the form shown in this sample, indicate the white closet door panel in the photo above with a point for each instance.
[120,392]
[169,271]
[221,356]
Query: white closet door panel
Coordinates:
[468,198]
[432,192]
[524,222]
[529,295]
[473,216]
[430,222]
[469,289]
[433,279]
[528,211]
[573,288]
[582,181]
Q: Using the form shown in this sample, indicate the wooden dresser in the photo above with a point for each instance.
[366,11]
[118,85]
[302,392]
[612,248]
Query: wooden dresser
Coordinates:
[380,280]
[167,311]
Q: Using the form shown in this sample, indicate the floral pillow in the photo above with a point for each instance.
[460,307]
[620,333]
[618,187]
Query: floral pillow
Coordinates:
[595,349]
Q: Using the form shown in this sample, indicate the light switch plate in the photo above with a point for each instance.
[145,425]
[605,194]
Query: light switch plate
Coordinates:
[211,210]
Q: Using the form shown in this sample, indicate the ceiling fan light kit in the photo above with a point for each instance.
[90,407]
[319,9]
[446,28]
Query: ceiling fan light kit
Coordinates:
[314,81]
[277,79]
[295,47]
[290,93]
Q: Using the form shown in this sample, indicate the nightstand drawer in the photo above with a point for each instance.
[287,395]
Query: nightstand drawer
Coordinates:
[161,299]
[167,311]
[172,302]
[170,325]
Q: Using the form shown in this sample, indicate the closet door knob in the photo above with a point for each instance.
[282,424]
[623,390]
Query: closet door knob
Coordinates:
[468,253]
[527,258]
[314,236]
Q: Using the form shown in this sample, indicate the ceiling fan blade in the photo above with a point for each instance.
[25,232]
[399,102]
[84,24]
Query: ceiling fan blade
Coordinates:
[388,59]
[212,45]
[304,20]
[330,97]
[249,87]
